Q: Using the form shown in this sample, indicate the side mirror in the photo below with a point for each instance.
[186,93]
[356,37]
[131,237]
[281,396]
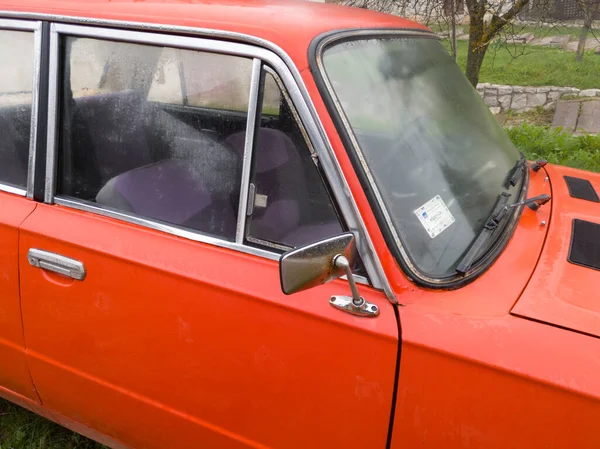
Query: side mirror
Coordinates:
[318,263]
[312,265]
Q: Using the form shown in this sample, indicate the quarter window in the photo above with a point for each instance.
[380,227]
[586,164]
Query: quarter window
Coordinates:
[130,143]
[16,86]
[289,205]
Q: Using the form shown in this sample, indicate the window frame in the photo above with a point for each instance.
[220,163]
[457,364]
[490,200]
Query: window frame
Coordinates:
[284,97]
[34,27]
[262,52]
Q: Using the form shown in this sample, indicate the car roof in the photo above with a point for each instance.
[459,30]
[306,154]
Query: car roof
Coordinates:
[289,24]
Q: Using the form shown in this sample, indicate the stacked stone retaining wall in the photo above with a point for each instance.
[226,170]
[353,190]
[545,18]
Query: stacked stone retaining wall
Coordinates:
[501,98]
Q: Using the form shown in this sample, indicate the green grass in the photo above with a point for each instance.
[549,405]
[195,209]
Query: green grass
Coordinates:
[535,66]
[546,31]
[537,31]
[557,147]
[21,429]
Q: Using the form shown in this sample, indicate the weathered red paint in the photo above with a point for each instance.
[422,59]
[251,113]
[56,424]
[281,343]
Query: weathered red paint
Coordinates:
[173,343]
[14,376]
[559,292]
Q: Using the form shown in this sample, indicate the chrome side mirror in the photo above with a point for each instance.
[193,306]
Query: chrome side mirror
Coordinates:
[318,263]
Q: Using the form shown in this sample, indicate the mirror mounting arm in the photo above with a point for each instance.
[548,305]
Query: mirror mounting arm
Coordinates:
[356,305]
[342,263]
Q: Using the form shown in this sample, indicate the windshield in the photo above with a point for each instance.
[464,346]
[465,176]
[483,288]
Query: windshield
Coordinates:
[438,157]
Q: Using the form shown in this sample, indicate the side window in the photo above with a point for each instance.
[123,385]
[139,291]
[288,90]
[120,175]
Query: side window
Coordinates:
[129,142]
[289,203]
[16,86]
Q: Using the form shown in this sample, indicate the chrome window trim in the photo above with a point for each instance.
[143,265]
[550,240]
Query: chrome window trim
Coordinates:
[36,29]
[35,104]
[164,227]
[51,151]
[248,148]
[283,64]
[7,188]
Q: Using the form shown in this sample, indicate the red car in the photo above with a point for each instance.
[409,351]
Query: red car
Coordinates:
[172,171]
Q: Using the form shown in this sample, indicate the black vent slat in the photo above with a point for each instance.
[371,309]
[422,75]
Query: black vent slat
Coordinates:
[582,189]
[585,244]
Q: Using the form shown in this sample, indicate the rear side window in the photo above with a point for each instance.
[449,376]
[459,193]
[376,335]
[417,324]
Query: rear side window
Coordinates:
[130,142]
[16,87]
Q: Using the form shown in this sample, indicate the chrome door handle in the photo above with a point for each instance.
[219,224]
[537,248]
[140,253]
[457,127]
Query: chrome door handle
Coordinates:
[56,263]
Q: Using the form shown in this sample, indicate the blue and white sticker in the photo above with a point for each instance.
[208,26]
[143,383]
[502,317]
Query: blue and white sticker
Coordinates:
[435,216]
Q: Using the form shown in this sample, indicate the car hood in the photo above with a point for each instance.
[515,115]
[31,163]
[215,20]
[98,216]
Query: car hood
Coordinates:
[564,289]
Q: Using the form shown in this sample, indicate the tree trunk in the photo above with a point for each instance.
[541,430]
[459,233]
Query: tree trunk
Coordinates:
[589,11]
[477,49]
[583,37]
[453,29]
[581,43]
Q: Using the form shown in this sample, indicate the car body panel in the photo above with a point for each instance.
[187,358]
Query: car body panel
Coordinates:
[482,382]
[14,375]
[175,343]
[166,333]
[473,375]
[562,293]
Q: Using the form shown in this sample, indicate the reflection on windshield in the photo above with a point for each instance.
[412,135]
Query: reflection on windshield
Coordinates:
[425,133]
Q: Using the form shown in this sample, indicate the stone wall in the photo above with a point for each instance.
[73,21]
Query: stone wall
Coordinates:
[502,98]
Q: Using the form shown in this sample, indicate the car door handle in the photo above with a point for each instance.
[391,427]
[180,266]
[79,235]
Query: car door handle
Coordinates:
[56,263]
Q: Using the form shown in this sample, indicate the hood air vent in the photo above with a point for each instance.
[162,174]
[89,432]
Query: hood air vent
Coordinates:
[582,189]
[585,244]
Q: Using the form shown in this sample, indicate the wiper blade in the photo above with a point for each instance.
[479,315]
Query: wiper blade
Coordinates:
[490,226]
[498,215]
[517,172]
[521,167]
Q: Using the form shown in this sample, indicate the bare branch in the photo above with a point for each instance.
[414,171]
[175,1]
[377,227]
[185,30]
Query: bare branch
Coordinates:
[499,22]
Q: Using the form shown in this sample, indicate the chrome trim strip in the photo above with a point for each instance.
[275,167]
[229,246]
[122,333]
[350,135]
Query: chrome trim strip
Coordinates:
[279,60]
[163,227]
[35,106]
[19,25]
[176,231]
[248,143]
[51,150]
[12,189]
[164,40]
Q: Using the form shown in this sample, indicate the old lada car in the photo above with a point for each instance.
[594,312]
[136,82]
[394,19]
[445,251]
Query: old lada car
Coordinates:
[235,224]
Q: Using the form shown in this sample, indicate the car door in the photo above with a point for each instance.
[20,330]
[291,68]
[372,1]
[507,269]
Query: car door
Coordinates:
[150,283]
[17,86]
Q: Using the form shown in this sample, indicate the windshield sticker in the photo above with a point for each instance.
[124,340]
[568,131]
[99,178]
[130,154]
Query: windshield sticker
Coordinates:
[435,216]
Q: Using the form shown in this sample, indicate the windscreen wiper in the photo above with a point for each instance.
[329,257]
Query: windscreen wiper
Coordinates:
[521,167]
[517,172]
[498,215]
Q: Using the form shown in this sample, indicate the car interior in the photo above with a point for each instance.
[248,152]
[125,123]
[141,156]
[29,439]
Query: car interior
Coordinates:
[14,129]
[182,164]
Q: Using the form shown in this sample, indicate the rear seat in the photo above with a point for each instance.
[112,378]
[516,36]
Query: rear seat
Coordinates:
[198,187]
[108,138]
